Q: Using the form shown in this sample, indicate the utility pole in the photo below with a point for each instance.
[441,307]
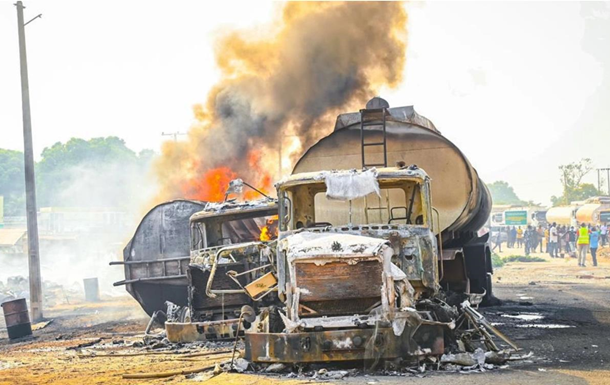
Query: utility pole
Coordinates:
[599,186]
[599,181]
[174,134]
[30,186]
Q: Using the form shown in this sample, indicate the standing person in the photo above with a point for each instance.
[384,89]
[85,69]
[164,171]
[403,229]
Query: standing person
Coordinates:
[519,237]
[529,238]
[561,232]
[572,240]
[553,241]
[513,236]
[603,231]
[546,238]
[498,240]
[594,237]
[540,232]
[583,244]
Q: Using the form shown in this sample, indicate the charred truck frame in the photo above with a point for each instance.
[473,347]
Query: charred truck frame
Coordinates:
[353,276]
[231,266]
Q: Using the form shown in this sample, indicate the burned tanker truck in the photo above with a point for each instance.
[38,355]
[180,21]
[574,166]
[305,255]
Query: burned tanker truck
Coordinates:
[379,136]
[376,259]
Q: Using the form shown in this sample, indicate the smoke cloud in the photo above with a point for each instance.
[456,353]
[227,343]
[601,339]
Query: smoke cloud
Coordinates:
[286,89]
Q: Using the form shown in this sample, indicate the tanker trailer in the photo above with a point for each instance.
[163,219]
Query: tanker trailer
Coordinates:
[595,211]
[563,215]
[157,257]
[380,136]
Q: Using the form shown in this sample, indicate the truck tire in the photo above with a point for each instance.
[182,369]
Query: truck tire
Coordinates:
[490,299]
[479,271]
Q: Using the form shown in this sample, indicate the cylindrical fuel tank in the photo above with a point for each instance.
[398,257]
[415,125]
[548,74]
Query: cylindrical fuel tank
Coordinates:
[562,215]
[591,213]
[461,198]
[157,257]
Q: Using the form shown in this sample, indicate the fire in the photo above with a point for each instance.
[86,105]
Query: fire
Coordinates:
[211,187]
[270,230]
[280,91]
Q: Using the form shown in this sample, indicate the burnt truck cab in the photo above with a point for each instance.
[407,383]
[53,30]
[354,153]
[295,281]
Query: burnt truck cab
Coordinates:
[231,265]
[357,259]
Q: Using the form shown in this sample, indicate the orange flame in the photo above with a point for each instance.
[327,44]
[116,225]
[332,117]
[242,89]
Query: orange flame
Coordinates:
[213,184]
[270,231]
[211,187]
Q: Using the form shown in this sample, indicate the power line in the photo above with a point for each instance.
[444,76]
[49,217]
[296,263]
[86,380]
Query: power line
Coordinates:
[174,134]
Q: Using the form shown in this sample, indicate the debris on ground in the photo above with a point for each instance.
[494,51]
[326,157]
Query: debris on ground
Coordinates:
[85,344]
[275,368]
[41,325]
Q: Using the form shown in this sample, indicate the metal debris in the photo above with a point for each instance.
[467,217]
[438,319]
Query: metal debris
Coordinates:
[240,365]
[275,368]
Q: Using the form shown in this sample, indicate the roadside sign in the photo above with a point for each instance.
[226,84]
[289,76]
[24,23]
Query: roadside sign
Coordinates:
[515,218]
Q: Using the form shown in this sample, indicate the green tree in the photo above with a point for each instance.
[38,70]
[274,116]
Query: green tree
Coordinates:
[503,193]
[12,184]
[64,164]
[95,172]
[571,176]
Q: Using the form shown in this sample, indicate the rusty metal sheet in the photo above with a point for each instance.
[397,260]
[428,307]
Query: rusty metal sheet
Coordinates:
[338,280]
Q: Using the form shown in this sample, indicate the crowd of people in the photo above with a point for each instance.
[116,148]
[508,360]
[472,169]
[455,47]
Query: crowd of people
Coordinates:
[556,240]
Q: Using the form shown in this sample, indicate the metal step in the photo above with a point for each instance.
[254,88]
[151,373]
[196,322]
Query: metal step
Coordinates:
[376,113]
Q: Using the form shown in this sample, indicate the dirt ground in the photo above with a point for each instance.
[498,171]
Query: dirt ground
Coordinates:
[575,349]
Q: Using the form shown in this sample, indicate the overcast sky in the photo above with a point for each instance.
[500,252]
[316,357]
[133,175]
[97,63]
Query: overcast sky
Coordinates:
[519,87]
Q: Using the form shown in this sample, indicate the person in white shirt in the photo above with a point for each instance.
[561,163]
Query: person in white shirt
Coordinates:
[553,238]
[603,230]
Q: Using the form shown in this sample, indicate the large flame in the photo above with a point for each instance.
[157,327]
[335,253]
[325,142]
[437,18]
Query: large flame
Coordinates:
[283,92]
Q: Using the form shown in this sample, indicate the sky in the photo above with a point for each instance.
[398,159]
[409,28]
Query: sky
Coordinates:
[520,87]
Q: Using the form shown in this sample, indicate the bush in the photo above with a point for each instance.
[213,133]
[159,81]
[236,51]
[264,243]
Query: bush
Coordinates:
[496,260]
[522,258]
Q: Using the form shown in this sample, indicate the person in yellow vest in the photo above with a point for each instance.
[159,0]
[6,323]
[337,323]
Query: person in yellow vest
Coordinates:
[583,244]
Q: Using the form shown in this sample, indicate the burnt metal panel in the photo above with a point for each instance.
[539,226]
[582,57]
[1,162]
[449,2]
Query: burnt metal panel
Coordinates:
[338,280]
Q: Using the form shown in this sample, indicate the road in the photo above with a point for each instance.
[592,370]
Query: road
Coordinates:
[553,292]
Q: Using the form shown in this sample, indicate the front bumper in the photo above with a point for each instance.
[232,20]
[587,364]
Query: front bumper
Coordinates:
[201,331]
[344,345]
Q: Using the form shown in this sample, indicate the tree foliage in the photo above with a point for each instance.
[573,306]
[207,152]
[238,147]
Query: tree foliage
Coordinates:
[12,182]
[57,168]
[75,173]
[503,194]
[571,176]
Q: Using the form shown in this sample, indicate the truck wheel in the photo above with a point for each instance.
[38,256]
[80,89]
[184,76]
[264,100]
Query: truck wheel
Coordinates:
[490,299]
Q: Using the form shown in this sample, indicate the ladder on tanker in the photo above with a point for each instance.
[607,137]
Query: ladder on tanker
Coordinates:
[373,115]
